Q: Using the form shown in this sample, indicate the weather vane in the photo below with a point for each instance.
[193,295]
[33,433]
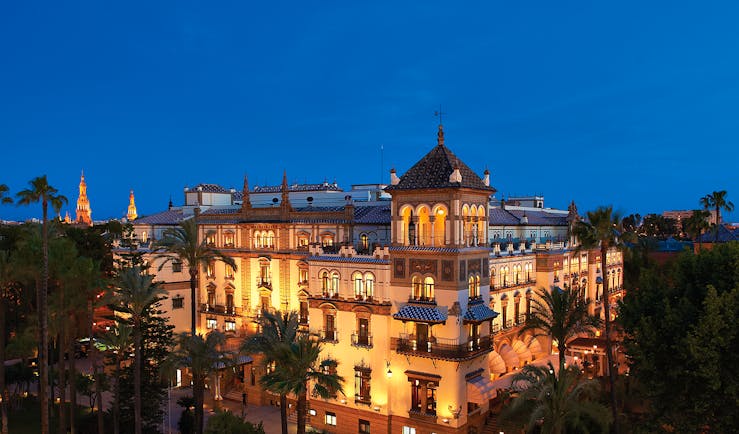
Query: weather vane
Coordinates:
[440,114]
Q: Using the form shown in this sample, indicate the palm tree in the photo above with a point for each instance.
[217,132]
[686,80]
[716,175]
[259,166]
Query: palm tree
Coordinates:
[603,229]
[41,191]
[118,339]
[298,368]
[696,224]
[182,244]
[203,355]
[556,403]
[560,314]
[3,194]
[136,293]
[717,201]
[277,328]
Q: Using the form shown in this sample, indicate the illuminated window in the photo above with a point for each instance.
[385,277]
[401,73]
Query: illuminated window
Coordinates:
[210,238]
[270,240]
[369,284]
[473,284]
[144,237]
[428,288]
[409,430]
[211,323]
[210,270]
[358,285]
[364,242]
[330,418]
[423,396]
[230,326]
[334,283]
[324,282]
[229,272]
[228,239]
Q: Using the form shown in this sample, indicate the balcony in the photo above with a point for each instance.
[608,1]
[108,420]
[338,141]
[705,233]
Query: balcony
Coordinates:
[521,319]
[474,299]
[361,341]
[421,299]
[219,309]
[364,297]
[445,349]
[264,282]
[417,413]
[330,335]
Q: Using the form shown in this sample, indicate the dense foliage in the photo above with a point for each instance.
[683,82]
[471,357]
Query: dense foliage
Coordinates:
[682,340]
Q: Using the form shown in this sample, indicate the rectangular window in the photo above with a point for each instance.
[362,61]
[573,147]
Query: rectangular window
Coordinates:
[423,396]
[330,418]
[364,426]
[211,323]
[230,326]
[177,267]
[409,430]
[210,270]
[362,377]
[178,303]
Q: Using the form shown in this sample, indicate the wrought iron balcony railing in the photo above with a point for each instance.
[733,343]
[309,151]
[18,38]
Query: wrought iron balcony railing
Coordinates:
[448,349]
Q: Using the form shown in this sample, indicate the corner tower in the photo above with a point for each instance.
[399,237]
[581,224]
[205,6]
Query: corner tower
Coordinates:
[440,281]
[84,213]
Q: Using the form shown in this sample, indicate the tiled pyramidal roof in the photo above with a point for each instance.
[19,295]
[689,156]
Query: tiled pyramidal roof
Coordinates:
[479,312]
[433,171]
[411,312]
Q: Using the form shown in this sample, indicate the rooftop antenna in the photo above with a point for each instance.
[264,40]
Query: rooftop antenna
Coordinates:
[382,162]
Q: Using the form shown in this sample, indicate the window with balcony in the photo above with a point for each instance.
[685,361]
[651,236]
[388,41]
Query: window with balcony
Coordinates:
[473,335]
[362,377]
[423,397]
[228,239]
[517,309]
[210,238]
[303,312]
[473,284]
[211,298]
[229,273]
[329,327]
[303,276]
[303,241]
[264,279]
[423,288]
[230,303]
[362,338]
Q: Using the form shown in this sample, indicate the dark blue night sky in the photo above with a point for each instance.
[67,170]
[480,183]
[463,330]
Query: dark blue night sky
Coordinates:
[633,104]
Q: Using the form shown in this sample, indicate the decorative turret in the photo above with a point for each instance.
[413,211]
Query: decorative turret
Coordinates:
[246,201]
[84,213]
[486,179]
[285,204]
[131,214]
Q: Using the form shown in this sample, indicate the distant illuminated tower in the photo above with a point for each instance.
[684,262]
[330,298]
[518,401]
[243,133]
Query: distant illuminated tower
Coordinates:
[67,218]
[131,215]
[84,214]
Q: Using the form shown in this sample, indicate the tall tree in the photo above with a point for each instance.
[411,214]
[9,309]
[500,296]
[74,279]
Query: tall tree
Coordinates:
[136,293]
[717,201]
[548,402]
[560,314]
[118,340]
[603,229]
[277,328]
[182,244]
[204,356]
[4,198]
[298,367]
[41,191]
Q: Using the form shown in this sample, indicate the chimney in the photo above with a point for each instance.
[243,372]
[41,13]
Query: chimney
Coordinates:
[486,178]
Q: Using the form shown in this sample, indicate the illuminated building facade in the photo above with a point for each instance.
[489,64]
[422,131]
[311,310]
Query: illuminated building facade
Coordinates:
[407,285]
[84,213]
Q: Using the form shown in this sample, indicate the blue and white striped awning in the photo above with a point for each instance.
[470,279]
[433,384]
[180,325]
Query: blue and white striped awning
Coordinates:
[428,314]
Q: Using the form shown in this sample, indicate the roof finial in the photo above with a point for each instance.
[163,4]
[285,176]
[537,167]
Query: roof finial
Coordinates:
[440,134]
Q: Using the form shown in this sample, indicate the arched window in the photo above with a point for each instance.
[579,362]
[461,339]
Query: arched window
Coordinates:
[466,225]
[428,288]
[144,237]
[424,227]
[517,274]
[472,235]
[358,285]
[473,286]
[270,241]
[257,240]
[417,285]
[439,235]
[334,284]
[369,284]
[407,226]
[482,224]
[324,282]
[229,303]
[364,242]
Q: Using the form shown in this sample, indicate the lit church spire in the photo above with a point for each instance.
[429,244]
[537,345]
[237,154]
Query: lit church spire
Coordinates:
[131,215]
[84,213]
